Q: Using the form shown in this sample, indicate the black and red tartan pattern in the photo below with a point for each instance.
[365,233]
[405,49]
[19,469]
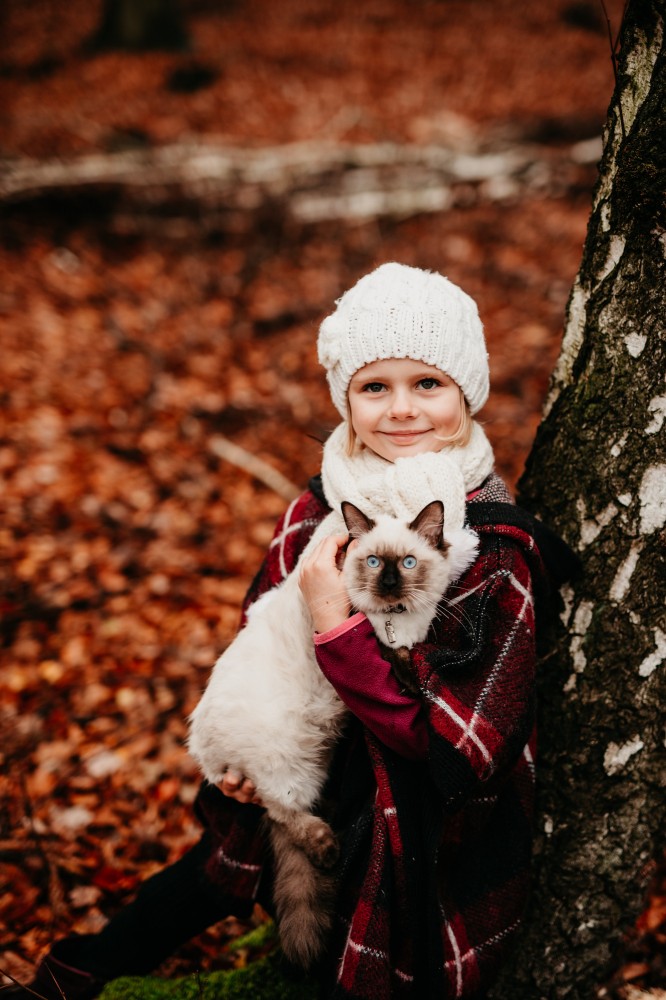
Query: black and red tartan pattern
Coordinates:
[442,885]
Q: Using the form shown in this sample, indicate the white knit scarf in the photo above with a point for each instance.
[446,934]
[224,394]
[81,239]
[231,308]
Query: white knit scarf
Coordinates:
[402,488]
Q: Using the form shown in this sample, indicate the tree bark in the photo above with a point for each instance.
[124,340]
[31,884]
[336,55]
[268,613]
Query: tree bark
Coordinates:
[597,473]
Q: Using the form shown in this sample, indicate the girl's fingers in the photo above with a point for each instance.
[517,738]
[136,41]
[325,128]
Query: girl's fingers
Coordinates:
[236,786]
[322,585]
[326,551]
[340,539]
[331,542]
[247,791]
[231,781]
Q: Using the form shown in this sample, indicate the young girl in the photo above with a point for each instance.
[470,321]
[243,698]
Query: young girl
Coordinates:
[430,793]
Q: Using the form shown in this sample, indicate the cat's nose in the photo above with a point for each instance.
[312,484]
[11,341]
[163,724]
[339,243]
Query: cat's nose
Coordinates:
[389,581]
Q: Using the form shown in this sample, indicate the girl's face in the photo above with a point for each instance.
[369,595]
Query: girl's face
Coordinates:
[400,407]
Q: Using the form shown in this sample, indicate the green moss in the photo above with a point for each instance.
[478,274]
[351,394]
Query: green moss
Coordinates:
[265,979]
[260,938]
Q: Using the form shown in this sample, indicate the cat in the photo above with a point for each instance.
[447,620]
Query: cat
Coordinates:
[269,713]
[398,575]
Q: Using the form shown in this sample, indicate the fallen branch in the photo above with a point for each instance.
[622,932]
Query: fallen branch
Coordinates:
[16,982]
[317,180]
[56,891]
[256,467]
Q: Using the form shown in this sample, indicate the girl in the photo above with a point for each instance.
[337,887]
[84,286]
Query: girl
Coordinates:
[430,793]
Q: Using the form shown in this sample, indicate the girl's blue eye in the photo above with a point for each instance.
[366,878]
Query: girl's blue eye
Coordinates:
[409,562]
[428,383]
[373,562]
[373,387]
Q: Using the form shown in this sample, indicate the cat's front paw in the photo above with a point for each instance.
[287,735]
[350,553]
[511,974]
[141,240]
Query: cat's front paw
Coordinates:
[401,662]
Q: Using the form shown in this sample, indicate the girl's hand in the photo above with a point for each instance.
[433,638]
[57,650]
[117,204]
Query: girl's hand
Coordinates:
[322,584]
[237,787]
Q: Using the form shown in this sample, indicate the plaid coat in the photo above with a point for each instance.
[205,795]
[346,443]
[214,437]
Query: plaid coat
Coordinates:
[435,855]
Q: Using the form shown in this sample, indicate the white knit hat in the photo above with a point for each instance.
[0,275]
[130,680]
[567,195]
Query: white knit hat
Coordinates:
[403,312]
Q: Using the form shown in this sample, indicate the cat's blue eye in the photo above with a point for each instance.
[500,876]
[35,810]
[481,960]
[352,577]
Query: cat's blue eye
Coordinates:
[373,562]
[409,562]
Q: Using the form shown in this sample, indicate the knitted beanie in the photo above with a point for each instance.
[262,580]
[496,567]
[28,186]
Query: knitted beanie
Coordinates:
[398,311]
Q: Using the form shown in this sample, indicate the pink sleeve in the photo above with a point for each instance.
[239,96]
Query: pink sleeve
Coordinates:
[349,657]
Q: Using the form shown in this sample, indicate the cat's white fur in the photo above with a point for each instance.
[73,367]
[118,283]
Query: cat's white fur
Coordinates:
[268,712]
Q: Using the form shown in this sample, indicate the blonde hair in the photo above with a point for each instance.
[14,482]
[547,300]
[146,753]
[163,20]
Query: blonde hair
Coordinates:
[459,439]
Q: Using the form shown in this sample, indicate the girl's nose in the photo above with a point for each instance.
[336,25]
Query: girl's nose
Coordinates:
[402,405]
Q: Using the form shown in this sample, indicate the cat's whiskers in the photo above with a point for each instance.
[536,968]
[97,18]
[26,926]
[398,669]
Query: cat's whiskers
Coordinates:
[418,598]
[464,616]
[455,614]
[360,598]
[416,606]
[424,600]
[380,599]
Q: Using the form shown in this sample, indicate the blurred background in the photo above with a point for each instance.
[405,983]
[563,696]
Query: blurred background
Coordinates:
[184,191]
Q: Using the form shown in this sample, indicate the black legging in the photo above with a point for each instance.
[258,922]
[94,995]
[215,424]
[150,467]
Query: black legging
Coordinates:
[169,909]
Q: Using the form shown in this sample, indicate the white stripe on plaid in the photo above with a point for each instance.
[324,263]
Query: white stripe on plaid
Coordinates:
[232,863]
[499,936]
[457,959]
[527,754]
[466,730]
[290,529]
[521,590]
[468,593]
[363,949]
[486,582]
[381,956]
[280,539]
[345,950]
[487,687]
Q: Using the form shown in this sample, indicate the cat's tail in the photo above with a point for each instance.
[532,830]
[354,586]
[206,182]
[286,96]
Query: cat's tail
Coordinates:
[304,897]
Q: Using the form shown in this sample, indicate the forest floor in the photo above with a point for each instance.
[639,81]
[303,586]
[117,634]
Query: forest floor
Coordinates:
[141,332]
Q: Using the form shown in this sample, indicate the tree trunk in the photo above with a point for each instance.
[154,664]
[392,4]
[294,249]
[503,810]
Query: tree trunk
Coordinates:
[140,25]
[597,473]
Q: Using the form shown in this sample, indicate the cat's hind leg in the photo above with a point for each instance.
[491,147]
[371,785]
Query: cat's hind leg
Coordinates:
[310,833]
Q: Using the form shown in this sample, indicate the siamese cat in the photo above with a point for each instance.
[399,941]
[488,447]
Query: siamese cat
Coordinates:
[269,713]
[398,573]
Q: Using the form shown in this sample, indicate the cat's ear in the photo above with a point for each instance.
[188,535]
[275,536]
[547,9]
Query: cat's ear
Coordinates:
[357,523]
[430,523]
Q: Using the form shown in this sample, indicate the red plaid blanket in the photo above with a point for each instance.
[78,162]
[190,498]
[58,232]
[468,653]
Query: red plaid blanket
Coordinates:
[435,855]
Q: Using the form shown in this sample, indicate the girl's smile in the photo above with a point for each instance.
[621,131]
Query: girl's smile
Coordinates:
[400,407]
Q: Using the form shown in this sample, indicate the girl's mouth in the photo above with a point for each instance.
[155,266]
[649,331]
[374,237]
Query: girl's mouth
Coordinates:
[403,435]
